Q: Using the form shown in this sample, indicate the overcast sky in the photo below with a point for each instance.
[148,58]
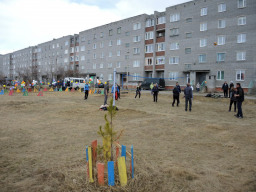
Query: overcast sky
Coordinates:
[25,23]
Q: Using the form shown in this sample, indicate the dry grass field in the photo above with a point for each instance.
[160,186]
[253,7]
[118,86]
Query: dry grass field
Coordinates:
[43,139]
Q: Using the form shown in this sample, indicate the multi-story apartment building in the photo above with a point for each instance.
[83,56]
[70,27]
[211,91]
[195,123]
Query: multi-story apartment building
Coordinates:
[201,40]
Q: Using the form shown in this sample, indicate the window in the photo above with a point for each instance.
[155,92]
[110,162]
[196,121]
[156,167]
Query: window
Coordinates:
[127,33]
[135,77]
[188,35]
[149,48]
[174,46]
[174,60]
[110,54]
[110,43]
[221,23]
[136,38]
[149,35]
[118,42]
[65,60]
[173,75]
[202,58]
[150,22]
[175,17]
[94,46]
[82,58]
[77,58]
[221,7]
[101,76]
[66,51]
[101,34]
[160,46]
[149,61]
[187,50]
[118,53]
[136,50]
[109,77]
[89,42]
[203,26]
[241,20]
[241,38]
[102,55]
[94,56]
[76,49]
[72,50]
[101,66]
[174,32]
[136,63]
[160,20]
[203,42]
[110,65]
[241,56]
[240,75]
[81,81]
[188,20]
[160,60]
[127,45]
[110,32]
[101,44]
[82,39]
[220,75]
[118,30]
[220,57]
[66,43]
[221,40]
[118,64]
[83,48]
[203,11]
[72,58]
[241,3]
[136,26]
[94,66]
[126,57]
[94,36]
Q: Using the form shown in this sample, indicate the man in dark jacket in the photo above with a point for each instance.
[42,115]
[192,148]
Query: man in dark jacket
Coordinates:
[155,92]
[225,89]
[230,87]
[176,94]
[240,98]
[188,97]
[138,90]
[106,91]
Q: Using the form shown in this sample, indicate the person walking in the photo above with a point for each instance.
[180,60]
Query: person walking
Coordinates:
[106,91]
[176,94]
[151,87]
[232,99]
[138,90]
[225,89]
[240,98]
[155,92]
[230,87]
[188,97]
[86,91]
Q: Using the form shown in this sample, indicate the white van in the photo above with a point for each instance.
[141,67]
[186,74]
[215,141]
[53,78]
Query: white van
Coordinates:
[74,82]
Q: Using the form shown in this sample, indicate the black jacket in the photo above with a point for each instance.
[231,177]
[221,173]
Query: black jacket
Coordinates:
[225,87]
[232,95]
[240,92]
[176,91]
[188,92]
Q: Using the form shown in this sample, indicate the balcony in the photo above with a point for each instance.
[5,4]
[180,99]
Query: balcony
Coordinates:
[149,29]
[159,67]
[197,68]
[160,39]
[148,68]
[160,27]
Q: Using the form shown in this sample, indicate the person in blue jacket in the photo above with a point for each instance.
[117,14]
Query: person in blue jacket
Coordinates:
[116,91]
[86,91]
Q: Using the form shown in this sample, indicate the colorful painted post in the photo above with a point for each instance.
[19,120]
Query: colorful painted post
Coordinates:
[132,161]
[2,92]
[25,93]
[111,175]
[90,164]
[67,89]
[122,171]
[100,170]
[123,152]
[94,152]
[87,163]
[60,89]
[51,89]
[11,93]
[95,92]
[56,89]
[72,90]
[40,93]
[117,153]
[18,91]
[23,90]
[45,89]
[86,153]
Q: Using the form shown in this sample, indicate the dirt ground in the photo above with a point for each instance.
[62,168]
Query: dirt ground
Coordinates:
[43,139]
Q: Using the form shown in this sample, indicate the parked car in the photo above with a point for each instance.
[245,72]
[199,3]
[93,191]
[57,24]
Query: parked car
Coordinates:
[147,82]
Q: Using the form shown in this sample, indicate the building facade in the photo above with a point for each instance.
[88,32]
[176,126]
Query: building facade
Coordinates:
[197,41]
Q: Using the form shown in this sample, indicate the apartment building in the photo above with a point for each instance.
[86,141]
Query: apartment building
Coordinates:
[201,40]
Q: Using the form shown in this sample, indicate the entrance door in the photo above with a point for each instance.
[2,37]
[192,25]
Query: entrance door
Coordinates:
[201,77]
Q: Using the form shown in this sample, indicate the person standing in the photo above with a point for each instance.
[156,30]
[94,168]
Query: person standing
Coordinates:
[225,89]
[198,87]
[232,99]
[138,90]
[230,87]
[86,91]
[118,93]
[155,92]
[151,87]
[240,98]
[188,97]
[106,91]
[176,94]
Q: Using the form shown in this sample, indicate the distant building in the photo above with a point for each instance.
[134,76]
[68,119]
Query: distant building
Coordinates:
[197,41]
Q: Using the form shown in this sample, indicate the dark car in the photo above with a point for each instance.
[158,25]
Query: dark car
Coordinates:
[146,84]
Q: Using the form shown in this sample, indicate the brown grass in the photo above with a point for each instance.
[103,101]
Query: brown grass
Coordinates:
[43,139]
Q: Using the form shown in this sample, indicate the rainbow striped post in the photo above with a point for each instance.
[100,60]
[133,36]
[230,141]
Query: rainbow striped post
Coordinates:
[122,171]
[123,152]
[90,164]
[111,175]
[132,161]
